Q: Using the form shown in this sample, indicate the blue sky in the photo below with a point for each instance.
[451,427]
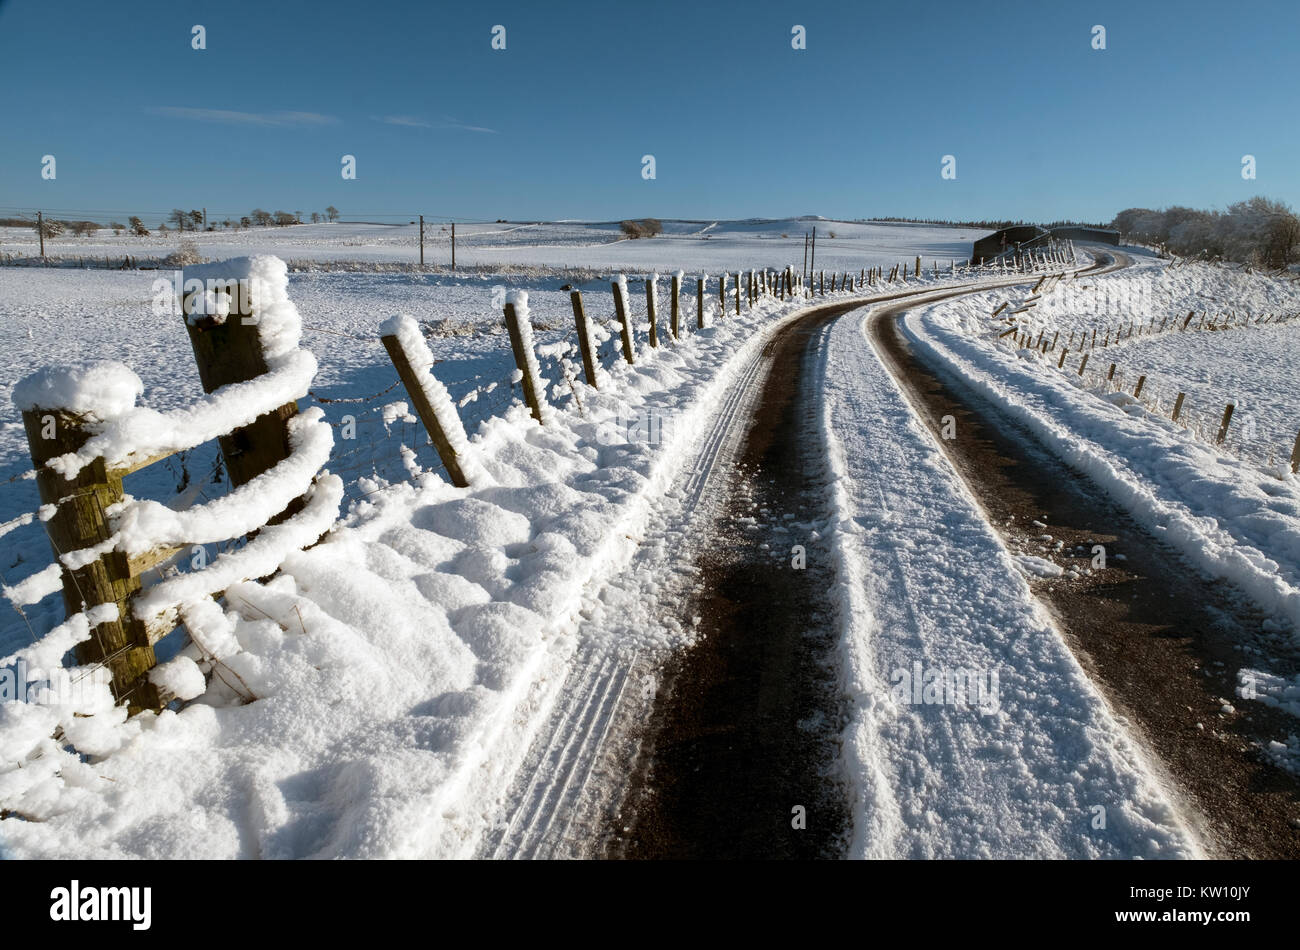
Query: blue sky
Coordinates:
[740,124]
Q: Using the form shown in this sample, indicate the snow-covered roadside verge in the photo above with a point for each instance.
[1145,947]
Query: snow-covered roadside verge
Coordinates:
[395,665]
[1230,519]
[973,731]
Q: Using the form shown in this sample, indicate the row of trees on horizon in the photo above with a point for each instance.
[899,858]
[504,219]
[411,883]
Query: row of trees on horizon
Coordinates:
[179,219]
[1258,231]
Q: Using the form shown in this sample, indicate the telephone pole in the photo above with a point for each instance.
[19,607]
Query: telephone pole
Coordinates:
[40,229]
[813,260]
[453,245]
[421,242]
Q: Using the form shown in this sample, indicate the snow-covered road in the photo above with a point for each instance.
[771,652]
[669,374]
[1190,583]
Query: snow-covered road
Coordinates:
[1028,760]
[1019,757]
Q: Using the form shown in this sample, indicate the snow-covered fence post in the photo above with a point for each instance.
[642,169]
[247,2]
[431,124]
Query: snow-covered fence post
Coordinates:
[651,307]
[677,305]
[737,293]
[1064,352]
[584,338]
[1178,406]
[1137,390]
[521,341]
[122,643]
[1295,454]
[699,303]
[917,272]
[622,310]
[401,338]
[1083,364]
[228,349]
[722,295]
[1223,426]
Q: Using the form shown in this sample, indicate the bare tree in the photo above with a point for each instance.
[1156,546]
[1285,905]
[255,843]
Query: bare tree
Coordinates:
[261,217]
[332,213]
[138,228]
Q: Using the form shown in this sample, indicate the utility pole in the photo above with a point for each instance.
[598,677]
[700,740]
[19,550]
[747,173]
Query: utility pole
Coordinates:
[805,254]
[813,260]
[205,219]
[40,230]
[453,245]
[421,242]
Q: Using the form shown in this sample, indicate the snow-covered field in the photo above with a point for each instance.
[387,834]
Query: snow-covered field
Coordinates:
[701,245]
[1256,368]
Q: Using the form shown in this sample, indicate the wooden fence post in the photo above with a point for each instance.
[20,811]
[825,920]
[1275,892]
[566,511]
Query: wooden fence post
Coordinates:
[650,309]
[521,341]
[722,295]
[699,303]
[229,352]
[1110,374]
[1083,364]
[737,293]
[437,426]
[1178,406]
[677,305]
[1061,362]
[121,645]
[1223,426]
[584,337]
[621,308]
[1295,455]
[1137,391]
[918,267]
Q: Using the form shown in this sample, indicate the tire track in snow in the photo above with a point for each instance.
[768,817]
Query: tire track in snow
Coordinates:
[558,769]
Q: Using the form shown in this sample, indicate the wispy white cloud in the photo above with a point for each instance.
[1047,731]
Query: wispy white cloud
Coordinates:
[446,122]
[230,116]
[410,120]
[453,124]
